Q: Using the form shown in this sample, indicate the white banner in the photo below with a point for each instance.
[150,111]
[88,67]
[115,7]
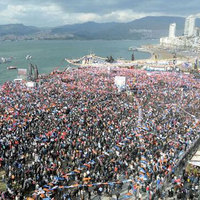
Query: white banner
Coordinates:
[30,84]
[120,82]
[22,72]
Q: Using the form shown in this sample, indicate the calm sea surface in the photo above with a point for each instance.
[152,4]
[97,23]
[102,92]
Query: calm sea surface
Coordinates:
[49,54]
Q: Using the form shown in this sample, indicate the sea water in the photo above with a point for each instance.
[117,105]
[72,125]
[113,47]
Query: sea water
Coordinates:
[50,54]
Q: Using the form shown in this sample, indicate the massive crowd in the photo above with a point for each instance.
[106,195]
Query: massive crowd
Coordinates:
[76,135]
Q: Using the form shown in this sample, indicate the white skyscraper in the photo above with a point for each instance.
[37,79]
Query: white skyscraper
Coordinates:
[172,30]
[197,32]
[189,26]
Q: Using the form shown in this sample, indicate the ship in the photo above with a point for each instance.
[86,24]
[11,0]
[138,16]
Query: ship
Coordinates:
[92,60]
[11,67]
[133,49]
[87,60]
[5,60]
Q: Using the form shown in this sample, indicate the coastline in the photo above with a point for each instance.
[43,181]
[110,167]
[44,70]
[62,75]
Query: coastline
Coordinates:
[157,52]
[160,53]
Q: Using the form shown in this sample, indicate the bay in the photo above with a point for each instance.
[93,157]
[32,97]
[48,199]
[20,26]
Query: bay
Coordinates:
[49,54]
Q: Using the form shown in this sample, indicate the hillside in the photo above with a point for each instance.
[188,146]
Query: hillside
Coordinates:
[148,27]
[144,28]
[17,29]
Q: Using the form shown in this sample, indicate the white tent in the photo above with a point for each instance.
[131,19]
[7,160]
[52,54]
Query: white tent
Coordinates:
[195,159]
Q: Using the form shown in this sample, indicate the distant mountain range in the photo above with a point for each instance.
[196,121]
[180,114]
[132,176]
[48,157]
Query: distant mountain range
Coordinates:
[144,28]
[17,29]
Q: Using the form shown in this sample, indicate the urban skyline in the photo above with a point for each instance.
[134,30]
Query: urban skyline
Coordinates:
[191,37]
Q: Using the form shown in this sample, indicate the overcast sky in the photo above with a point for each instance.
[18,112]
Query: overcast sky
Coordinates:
[59,12]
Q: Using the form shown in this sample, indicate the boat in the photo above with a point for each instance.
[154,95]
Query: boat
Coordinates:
[11,67]
[87,60]
[132,49]
[5,60]
[28,57]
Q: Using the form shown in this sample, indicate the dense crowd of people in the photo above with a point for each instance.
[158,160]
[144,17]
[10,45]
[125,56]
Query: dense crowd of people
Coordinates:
[75,135]
[186,185]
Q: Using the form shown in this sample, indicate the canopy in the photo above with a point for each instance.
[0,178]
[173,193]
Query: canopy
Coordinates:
[196,159]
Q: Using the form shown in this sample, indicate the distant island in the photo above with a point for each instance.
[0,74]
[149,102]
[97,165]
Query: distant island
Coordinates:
[144,28]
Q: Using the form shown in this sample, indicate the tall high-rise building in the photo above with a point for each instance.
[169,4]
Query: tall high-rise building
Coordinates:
[172,30]
[197,32]
[189,26]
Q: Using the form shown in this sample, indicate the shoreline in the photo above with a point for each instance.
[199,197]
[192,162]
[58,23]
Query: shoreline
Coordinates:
[157,52]
[161,53]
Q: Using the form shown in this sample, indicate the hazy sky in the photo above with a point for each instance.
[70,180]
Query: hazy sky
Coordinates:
[60,12]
